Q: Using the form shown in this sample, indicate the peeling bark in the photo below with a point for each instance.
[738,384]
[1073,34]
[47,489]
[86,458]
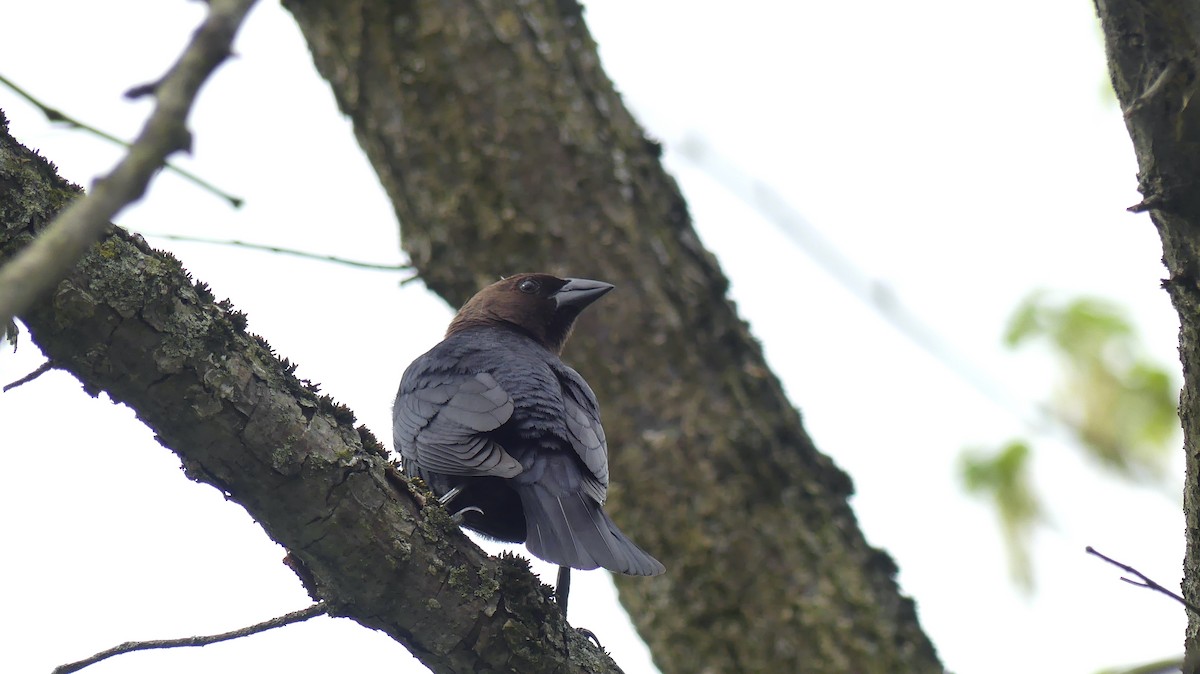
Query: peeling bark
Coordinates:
[1154,58]
[505,148]
[130,321]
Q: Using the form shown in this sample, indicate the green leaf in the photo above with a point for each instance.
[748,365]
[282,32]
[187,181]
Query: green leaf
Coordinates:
[1119,404]
[1026,321]
[1004,479]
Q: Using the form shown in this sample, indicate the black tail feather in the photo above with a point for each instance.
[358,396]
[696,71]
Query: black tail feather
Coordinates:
[573,530]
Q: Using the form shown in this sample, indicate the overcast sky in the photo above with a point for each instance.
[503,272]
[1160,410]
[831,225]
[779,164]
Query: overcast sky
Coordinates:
[961,154]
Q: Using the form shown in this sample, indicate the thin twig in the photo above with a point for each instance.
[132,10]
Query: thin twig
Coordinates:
[1145,581]
[317,609]
[875,293]
[45,261]
[56,115]
[41,370]
[281,251]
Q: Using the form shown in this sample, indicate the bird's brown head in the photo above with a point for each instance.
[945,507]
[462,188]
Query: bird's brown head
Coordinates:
[541,305]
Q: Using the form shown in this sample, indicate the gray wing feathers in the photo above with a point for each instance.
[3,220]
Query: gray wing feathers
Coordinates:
[587,437]
[443,427]
[582,415]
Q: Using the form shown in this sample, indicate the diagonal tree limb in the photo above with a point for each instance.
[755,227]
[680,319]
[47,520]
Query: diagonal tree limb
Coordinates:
[1153,49]
[46,260]
[129,321]
[37,372]
[504,148]
[1144,580]
[554,174]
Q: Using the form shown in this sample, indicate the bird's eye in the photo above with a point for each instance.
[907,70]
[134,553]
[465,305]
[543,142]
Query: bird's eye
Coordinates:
[529,286]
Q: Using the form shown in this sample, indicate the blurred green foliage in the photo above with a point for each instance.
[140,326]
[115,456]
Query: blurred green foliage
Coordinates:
[1118,404]
[1121,405]
[1004,478]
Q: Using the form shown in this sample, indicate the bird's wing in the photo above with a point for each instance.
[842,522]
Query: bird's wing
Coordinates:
[586,433]
[442,423]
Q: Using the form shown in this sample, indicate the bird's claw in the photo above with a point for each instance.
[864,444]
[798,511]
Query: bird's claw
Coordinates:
[446,498]
[449,496]
[457,517]
[588,634]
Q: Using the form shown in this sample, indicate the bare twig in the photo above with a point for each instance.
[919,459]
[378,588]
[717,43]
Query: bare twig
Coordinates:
[282,251]
[56,115]
[1144,581]
[873,292]
[59,247]
[317,609]
[876,293]
[41,370]
[144,89]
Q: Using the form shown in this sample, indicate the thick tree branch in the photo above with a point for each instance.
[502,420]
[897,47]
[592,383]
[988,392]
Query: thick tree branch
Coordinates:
[46,260]
[1153,51]
[128,320]
[504,149]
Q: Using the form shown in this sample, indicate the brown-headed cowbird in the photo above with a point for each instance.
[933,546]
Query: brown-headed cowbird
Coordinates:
[495,423]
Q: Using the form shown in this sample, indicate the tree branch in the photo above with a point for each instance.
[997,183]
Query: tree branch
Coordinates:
[128,320]
[1152,48]
[283,251]
[1145,581]
[504,147]
[130,646]
[39,371]
[46,260]
[56,115]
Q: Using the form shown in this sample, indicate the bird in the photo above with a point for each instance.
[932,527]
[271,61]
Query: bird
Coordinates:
[495,423]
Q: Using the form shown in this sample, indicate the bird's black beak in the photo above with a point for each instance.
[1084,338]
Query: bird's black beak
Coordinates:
[580,292]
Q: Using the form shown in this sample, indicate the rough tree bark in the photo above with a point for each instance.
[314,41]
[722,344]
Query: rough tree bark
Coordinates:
[131,322]
[1154,58]
[505,148]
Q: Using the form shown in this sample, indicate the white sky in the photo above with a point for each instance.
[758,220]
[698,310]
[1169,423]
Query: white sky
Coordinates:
[962,153]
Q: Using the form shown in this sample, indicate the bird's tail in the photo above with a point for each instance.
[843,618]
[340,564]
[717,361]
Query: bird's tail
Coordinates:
[573,530]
